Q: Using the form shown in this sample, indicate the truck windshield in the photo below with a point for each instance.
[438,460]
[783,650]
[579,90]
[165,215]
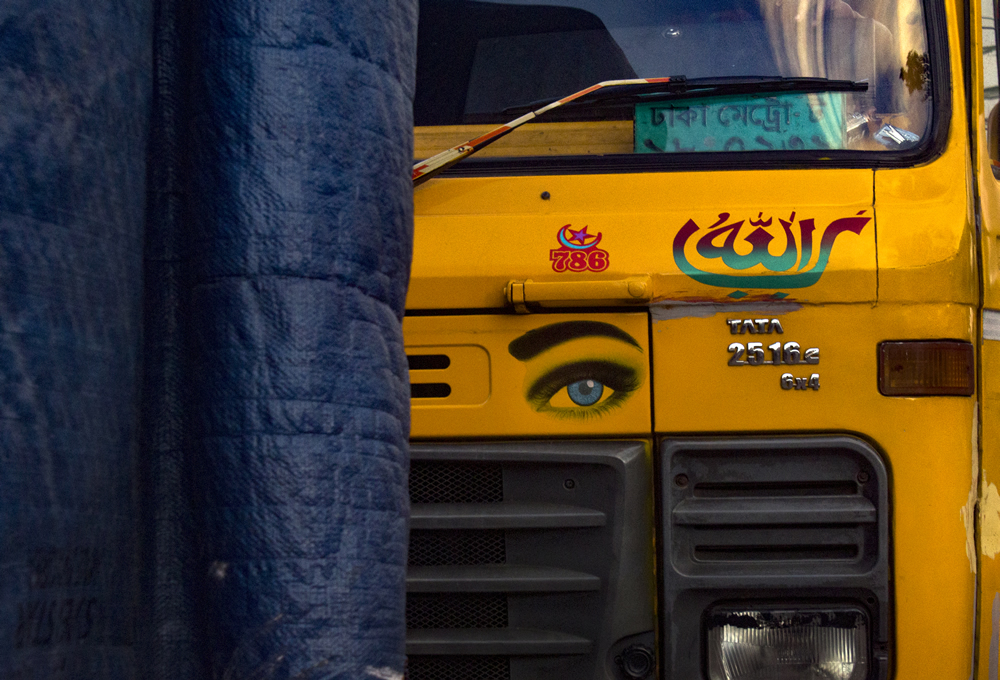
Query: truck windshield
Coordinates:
[479,60]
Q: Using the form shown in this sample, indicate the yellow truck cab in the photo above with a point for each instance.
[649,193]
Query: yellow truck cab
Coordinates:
[706,372]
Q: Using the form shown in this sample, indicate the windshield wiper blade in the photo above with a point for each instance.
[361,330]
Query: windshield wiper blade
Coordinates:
[691,88]
[630,91]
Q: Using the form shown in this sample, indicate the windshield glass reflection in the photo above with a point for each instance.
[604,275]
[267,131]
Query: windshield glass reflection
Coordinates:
[476,59]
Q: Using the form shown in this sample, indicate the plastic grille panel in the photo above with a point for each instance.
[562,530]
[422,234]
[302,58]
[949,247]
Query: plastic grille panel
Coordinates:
[458,668]
[764,521]
[463,610]
[455,482]
[512,575]
[462,547]
[775,508]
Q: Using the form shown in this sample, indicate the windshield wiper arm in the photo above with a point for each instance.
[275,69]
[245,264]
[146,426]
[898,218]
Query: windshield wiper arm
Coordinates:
[426,169]
[635,90]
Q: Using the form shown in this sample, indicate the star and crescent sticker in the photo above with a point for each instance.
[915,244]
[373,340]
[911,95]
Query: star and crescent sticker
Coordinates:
[580,237]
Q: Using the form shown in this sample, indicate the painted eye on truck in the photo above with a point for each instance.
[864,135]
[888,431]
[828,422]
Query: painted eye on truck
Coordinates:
[583,389]
[579,369]
[585,392]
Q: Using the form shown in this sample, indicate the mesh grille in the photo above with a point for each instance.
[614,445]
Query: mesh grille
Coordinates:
[432,548]
[434,610]
[458,668]
[437,482]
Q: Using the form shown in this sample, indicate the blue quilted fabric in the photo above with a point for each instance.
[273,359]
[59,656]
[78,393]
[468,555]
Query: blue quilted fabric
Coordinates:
[205,236]
[300,241]
[74,106]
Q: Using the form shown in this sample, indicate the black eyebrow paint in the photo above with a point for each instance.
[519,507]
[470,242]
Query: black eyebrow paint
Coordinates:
[536,341]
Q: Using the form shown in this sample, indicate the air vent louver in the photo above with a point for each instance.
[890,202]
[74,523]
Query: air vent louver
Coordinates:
[771,519]
[773,511]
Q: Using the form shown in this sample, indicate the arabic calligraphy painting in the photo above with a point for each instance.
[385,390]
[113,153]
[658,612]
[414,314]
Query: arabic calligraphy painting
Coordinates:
[774,253]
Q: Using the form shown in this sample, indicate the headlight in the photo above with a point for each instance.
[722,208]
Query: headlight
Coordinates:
[787,644]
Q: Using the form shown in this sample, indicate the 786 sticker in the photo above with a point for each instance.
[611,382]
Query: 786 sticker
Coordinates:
[578,251]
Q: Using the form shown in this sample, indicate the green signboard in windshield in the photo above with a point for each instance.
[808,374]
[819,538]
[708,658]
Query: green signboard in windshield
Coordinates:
[791,121]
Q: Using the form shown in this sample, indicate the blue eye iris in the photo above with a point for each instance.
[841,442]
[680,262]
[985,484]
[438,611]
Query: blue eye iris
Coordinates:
[585,392]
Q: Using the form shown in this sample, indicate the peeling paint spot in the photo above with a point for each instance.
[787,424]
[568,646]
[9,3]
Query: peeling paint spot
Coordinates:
[383,673]
[989,516]
[968,511]
[989,519]
[663,311]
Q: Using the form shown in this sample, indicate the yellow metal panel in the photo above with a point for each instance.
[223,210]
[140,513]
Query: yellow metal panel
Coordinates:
[529,396]
[987,501]
[926,229]
[926,223]
[988,546]
[989,187]
[692,360]
[989,196]
[928,442]
[474,236]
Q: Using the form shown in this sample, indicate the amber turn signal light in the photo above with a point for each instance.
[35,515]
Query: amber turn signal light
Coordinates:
[926,368]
